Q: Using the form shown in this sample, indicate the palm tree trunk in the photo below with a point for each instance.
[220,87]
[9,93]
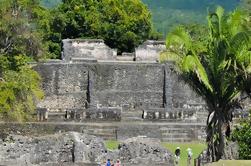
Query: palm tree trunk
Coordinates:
[220,143]
[216,136]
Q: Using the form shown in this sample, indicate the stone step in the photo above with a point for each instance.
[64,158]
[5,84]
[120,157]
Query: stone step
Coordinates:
[132,112]
[179,127]
[100,131]
[172,120]
[56,116]
[82,59]
[174,135]
[176,140]
[131,116]
[177,132]
[103,135]
[100,127]
[129,119]
[125,58]
[174,132]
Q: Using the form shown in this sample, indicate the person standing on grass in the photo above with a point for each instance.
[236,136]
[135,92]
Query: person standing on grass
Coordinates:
[189,156]
[117,163]
[108,163]
[177,156]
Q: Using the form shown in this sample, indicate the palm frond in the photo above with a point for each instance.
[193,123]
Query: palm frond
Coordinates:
[191,63]
[178,39]
[215,22]
[234,22]
[239,41]
[220,13]
[169,56]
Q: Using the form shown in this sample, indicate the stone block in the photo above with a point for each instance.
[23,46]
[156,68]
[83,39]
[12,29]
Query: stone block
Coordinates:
[149,50]
[87,48]
[42,114]
[104,114]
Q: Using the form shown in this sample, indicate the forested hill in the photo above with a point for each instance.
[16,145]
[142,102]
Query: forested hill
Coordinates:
[50,3]
[169,13]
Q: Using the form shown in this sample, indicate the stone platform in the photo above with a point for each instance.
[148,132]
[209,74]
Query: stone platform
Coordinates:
[165,131]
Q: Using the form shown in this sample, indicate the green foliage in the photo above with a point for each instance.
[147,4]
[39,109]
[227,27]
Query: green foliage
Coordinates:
[18,91]
[242,134]
[217,68]
[246,5]
[18,24]
[123,24]
[50,3]
[111,144]
[19,44]
[167,14]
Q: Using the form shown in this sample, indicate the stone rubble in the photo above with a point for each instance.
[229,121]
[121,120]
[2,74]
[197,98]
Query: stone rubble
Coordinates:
[75,149]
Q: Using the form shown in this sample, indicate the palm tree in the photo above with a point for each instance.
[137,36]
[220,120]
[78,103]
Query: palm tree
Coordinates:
[216,69]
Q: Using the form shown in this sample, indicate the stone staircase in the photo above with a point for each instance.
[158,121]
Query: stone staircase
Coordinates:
[131,115]
[105,132]
[125,58]
[131,124]
[180,134]
[166,132]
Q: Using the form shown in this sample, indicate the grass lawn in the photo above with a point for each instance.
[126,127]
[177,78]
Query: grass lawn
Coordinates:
[111,144]
[196,147]
[232,163]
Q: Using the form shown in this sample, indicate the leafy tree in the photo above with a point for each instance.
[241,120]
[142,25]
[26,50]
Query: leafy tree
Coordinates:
[18,30]
[243,135]
[167,14]
[19,84]
[50,3]
[246,5]
[123,24]
[217,70]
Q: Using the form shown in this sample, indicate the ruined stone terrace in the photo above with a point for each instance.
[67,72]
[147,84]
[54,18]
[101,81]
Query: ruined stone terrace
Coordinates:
[94,90]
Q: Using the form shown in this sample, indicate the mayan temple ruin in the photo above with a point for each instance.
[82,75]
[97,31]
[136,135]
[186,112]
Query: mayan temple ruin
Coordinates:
[119,96]
[125,83]
[92,94]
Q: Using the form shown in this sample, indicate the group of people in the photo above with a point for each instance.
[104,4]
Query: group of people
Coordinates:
[110,163]
[177,156]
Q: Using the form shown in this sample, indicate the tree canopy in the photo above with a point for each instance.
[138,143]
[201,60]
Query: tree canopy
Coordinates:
[242,134]
[123,24]
[19,84]
[217,69]
[169,13]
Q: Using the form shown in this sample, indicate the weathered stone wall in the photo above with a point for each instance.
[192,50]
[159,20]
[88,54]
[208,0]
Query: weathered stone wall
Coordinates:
[149,50]
[87,48]
[65,86]
[77,149]
[178,94]
[166,132]
[134,85]
[154,89]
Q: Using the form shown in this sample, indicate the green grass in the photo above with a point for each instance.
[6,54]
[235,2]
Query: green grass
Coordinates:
[111,144]
[232,163]
[196,147]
